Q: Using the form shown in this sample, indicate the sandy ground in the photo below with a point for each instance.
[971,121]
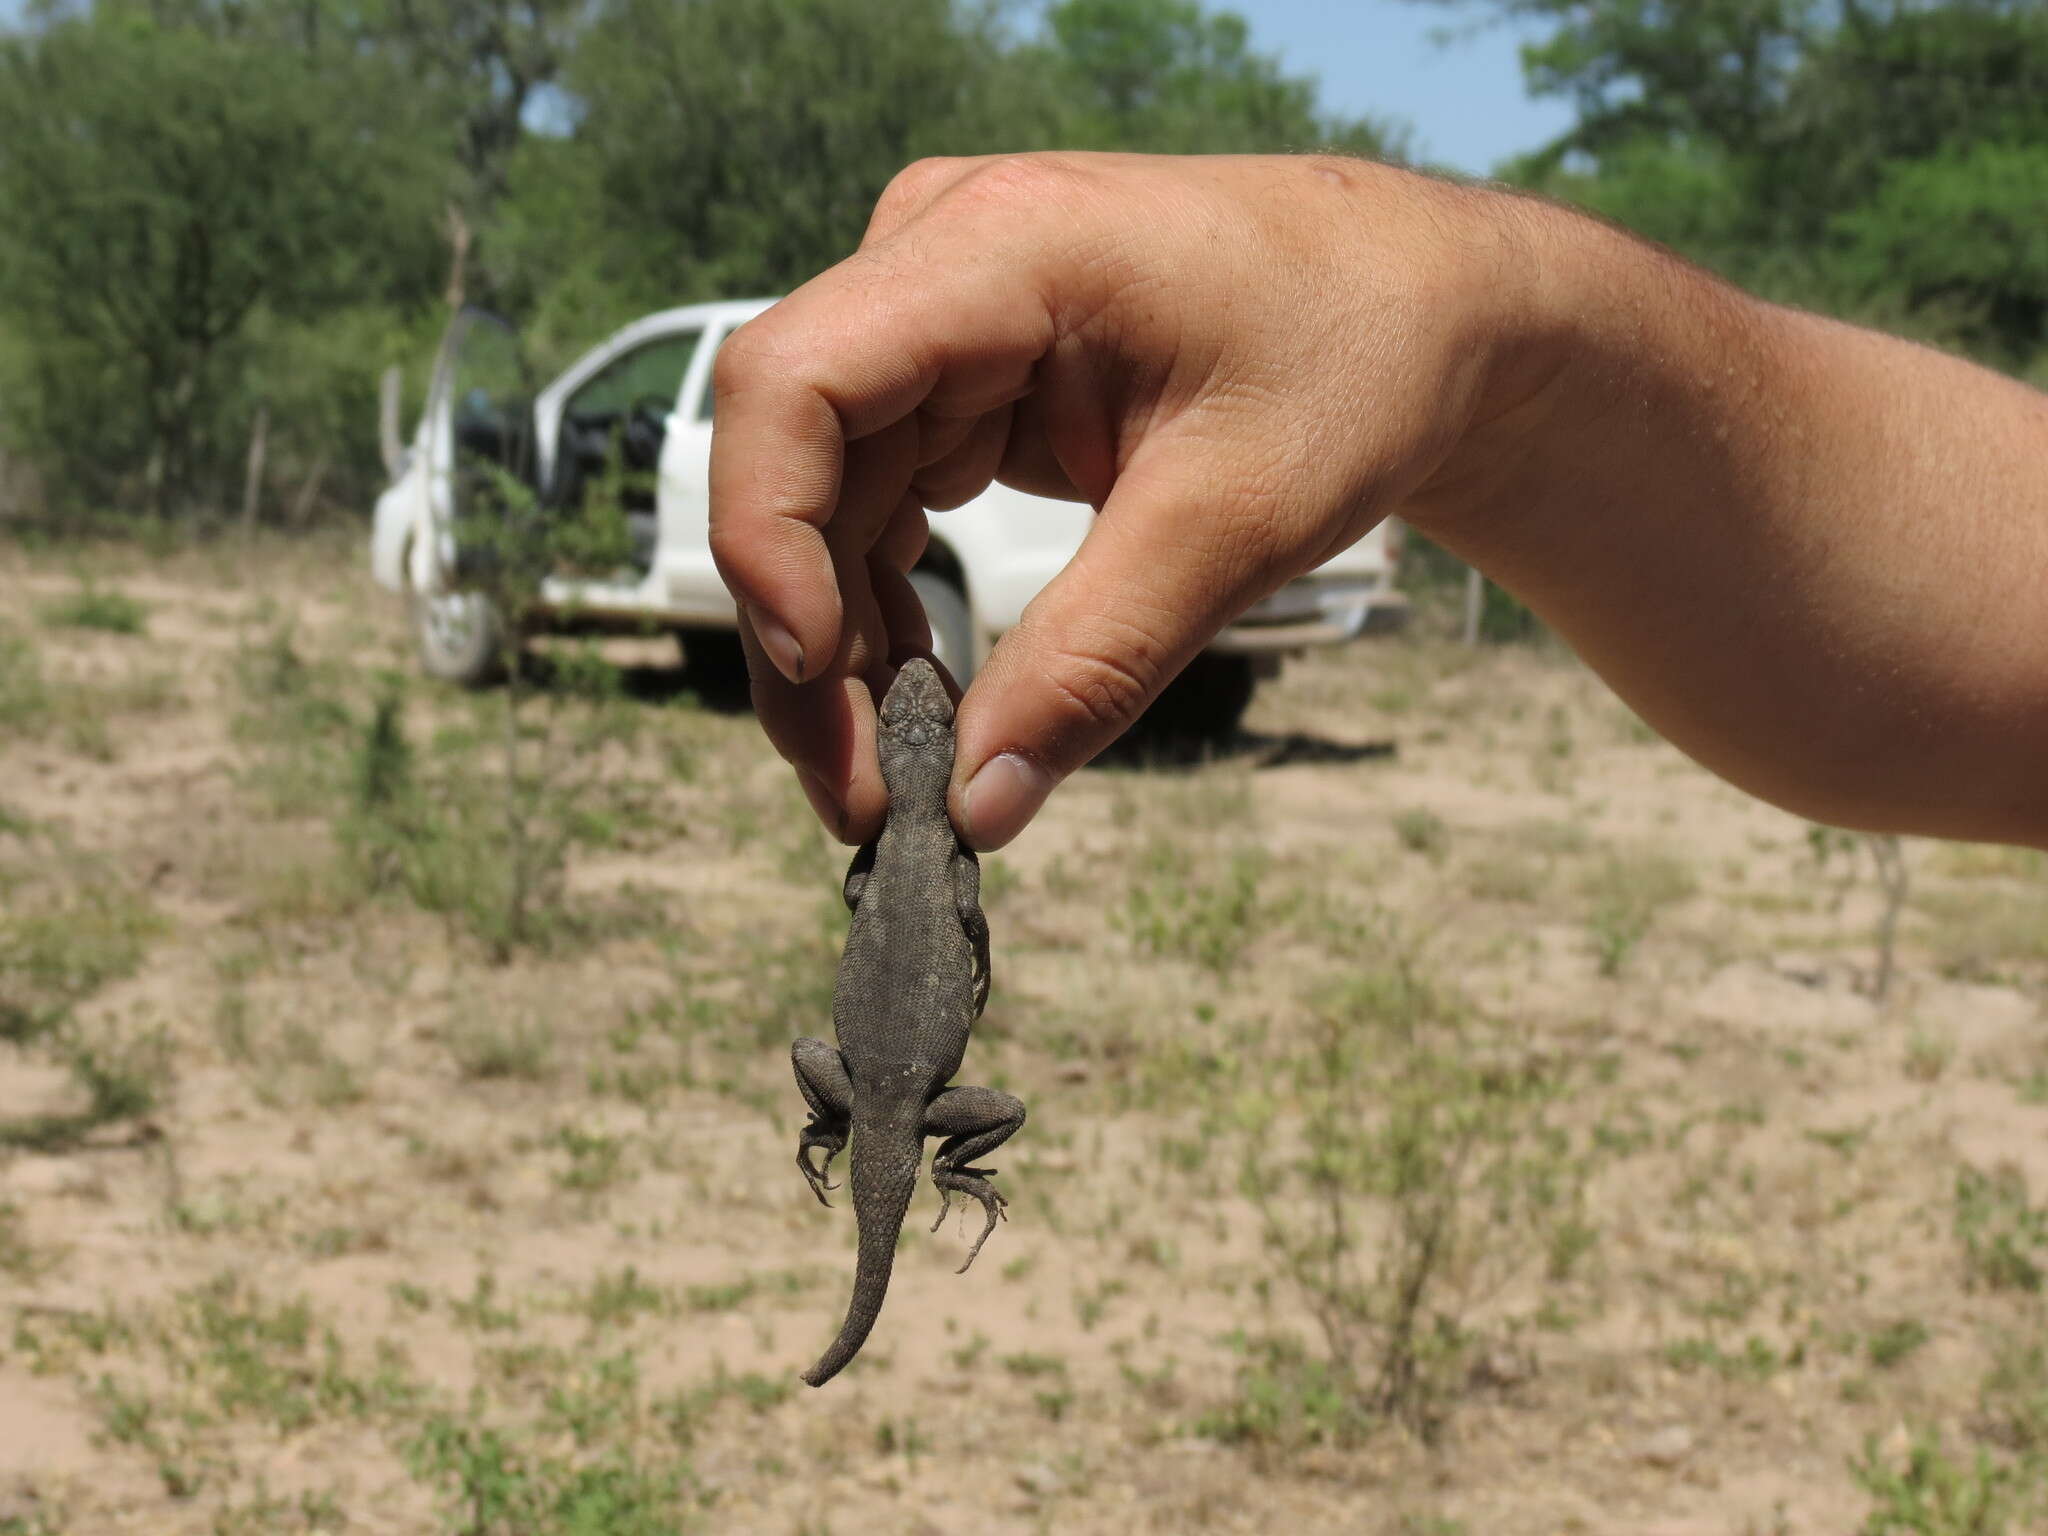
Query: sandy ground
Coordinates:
[393,1235]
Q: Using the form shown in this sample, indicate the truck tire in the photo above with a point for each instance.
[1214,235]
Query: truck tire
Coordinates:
[715,668]
[461,637]
[1203,706]
[945,608]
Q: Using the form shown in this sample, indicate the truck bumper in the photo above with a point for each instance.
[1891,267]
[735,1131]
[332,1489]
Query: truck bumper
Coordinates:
[1308,613]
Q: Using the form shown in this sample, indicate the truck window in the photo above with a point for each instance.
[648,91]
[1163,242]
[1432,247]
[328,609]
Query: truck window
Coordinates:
[649,372]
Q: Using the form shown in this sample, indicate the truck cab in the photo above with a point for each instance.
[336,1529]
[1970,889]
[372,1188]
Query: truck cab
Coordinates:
[641,402]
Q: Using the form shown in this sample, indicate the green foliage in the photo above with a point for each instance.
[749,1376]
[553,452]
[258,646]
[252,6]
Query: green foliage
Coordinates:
[1626,891]
[1172,909]
[164,185]
[96,607]
[1934,1493]
[1886,160]
[1175,77]
[2004,1236]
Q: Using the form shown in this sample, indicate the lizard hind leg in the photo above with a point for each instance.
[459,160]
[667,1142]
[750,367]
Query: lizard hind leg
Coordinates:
[974,1122]
[821,1078]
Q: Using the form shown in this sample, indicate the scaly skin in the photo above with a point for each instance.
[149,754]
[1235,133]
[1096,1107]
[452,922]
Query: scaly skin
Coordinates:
[913,979]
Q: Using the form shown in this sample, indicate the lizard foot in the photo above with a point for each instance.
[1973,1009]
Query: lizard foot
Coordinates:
[821,1078]
[974,1122]
[817,1175]
[974,1184]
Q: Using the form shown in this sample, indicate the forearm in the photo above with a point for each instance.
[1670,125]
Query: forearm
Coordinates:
[1814,557]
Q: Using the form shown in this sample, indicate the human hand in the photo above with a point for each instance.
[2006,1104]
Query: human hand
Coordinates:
[1242,363]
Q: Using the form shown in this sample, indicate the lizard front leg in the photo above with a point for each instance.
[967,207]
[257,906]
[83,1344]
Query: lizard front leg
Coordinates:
[974,1122]
[967,902]
[821,1078]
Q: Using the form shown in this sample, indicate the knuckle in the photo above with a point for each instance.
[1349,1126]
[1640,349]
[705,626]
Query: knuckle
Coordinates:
[1034,178]
[915,184]
[746,356]
[1103,690]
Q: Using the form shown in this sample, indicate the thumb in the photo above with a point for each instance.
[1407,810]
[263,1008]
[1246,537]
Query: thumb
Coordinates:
[1171,559]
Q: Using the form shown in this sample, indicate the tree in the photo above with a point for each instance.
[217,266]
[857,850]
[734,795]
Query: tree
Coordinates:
[1172,77]
[163,187]
[1873,157]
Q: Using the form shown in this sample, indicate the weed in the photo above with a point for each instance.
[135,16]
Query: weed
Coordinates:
[596,1160]
[1927,1055]
[619,1298]
[18,1260]
[63,936]
[1933,1493]
[2013,1401]
[1287,1397]
[1896,1341]
[499,1480]
[1404,1162]
[96,607]
[1627,891]
[2004,1237]
[1421,831]
[490,1048]
[1170,912]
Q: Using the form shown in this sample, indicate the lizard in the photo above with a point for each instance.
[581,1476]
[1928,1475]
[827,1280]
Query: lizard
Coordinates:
[912,979]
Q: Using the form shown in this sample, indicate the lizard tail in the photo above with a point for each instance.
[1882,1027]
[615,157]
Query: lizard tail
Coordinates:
[883,1173]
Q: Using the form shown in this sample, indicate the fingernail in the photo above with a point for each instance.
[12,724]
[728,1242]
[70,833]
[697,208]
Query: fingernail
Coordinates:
[823,801]
[1003,795]
[780,645]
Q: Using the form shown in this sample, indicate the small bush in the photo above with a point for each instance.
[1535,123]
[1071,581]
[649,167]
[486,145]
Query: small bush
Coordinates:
[1405,1162]
[97,607]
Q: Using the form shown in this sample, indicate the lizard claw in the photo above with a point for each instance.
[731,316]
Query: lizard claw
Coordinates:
[817,1175]
[972,1183]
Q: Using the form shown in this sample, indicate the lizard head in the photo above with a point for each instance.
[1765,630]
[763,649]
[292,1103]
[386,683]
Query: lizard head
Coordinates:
[916,724]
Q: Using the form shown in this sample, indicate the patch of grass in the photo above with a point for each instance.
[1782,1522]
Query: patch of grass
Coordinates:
[1422,831]
[621,1297]
[490,1048]
[1757,1360]
[596,1159]
[67,929]
[1982,934]
[1172,911]
[1626,892]
[1287,1398]
[2004,1237]
[1405,1158]
[1895,1342]
[495,1479]
[1928,1055]
[2013,1401]
[1934,1493]
[95,607]
[120,1078]
[18,1260]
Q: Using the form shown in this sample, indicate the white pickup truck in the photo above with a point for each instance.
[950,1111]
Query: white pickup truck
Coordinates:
[643,396]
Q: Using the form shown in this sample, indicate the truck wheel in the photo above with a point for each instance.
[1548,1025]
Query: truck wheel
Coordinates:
[1203,706]
[461,637]
[945,608]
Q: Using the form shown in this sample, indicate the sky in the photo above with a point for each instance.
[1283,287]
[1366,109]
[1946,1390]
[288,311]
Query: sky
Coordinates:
[1462,99]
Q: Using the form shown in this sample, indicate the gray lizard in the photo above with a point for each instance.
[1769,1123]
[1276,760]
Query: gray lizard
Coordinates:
[912,981]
